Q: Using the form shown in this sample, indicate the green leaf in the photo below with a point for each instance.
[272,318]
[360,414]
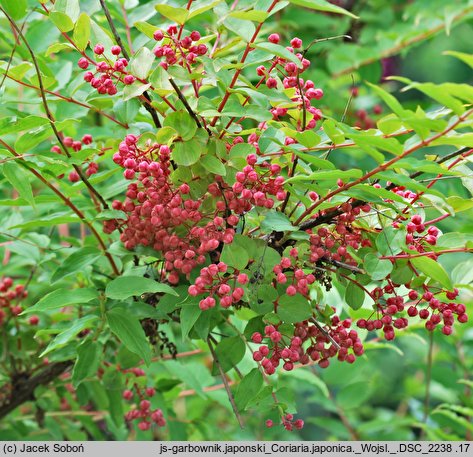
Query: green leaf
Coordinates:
[18,178]
[190,312]
[87,363]
[322,5]
[275,220]
[251,15]
[467,58]
[248,388]
[15,8]
[432,269]
[183,123]
[134,90]
[280,51]
[178,15]
[229,352]
[213,165]
[129,331]
[353,395]
[82,31]
[391,241]
[128,286]
[142,62]
[294,308]
[354,296]
[377,268]
[69,7]
[62,21]
[63,297]
[64,337]
[235,256]
[187,153]
[77,261]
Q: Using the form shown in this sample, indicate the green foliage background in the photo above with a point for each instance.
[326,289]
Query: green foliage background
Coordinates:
[386,394]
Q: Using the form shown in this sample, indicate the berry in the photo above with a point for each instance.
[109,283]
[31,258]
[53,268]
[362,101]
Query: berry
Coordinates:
[116,50]
[99,49]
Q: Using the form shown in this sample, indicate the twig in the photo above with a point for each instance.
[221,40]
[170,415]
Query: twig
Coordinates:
[51,119]
[225,382]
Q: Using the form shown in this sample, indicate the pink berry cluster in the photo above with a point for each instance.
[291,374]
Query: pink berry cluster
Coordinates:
[76,145]
[163,215]
[143,412]
[214,282]
[106,71]
[309,342]
[304,90]
[391,310]
[288,422]
[176,50]
[289,271]
[10,299]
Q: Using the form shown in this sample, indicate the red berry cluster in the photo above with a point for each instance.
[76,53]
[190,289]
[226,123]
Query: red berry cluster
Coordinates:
[158,210]
[290,268]
[214,282]
[309,342]
[143,412]
[391,311]
[253,189]
[10,298]
[76,145]
[178,51]
[418,235]
[106,71]
[304,90]
[287,420]
[331,242]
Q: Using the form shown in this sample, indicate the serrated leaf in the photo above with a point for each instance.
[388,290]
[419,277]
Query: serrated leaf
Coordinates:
[129,331]
[124,287]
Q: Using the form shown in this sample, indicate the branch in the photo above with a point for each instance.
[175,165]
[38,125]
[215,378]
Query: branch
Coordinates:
[22,390]
[50,116]
[68,202]
[225,382]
